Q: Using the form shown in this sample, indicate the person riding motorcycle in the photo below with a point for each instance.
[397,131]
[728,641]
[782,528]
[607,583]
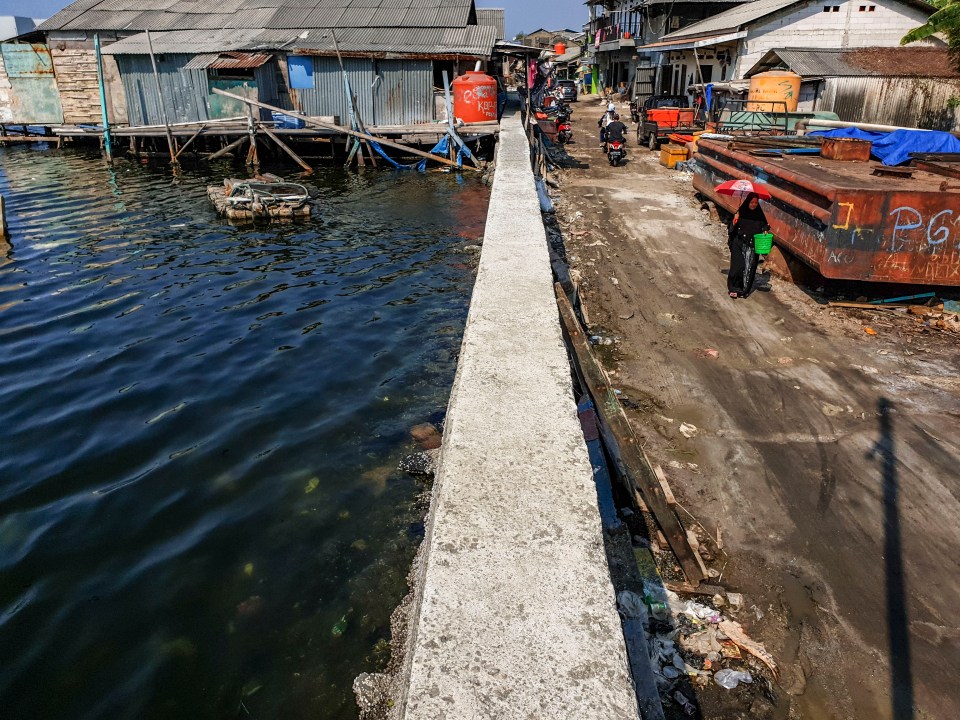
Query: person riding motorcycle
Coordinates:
[614,131]
[605,120]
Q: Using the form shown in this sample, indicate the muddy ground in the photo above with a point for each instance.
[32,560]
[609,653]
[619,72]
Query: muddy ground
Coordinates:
[827,458]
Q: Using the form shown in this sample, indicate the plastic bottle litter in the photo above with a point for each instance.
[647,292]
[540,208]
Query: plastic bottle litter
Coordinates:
[729,679]
[632,606]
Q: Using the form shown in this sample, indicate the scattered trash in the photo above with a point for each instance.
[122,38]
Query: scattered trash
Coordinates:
[546,204]
[735,632]
[632,606]
[688,430]
[340,627]
[832,410]
[785,360]
[718,600]
[710,353]
[735,600]
[687,706]
[729,679]
[684,296]
[614,281]
[626,512]
[869,330]
[626,316]
[312,484]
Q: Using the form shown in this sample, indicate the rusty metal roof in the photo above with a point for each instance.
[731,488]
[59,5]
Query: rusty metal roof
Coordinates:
[860,62]
[228,61]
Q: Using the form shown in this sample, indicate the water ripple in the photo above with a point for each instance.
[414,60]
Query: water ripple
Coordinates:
[201,429]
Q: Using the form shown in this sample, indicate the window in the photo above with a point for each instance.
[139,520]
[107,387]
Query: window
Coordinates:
[826,8]
[863,8]
[836,8]
[871,8]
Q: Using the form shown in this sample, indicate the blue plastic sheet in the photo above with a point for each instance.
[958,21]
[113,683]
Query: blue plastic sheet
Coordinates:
[894,148]
[442,149]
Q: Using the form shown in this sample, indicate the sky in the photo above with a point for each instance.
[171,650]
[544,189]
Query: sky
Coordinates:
[521,15]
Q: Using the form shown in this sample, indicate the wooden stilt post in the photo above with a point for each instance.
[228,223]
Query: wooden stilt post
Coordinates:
[253,157]
[283,146]
[313,122]
[171,144]
[228,148]
[192,138]
[103,100]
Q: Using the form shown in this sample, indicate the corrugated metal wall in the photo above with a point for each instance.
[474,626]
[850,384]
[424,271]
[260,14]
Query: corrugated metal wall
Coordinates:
[910,102]
[184,91]
[389,92]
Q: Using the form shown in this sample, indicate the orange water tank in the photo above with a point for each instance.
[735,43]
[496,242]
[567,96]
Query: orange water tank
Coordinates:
[560,48]
[774,91]
[475,97]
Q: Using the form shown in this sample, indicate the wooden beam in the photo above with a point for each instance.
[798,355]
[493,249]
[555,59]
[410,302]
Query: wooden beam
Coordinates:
[283,146]
[224,150]
[192,138]
[343,130]
[628,456]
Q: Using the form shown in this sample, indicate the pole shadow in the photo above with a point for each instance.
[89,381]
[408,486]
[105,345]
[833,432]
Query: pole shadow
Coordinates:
[898,629]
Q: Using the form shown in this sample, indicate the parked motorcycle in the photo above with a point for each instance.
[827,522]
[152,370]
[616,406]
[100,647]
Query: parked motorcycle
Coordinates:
[564,128]
[615,152]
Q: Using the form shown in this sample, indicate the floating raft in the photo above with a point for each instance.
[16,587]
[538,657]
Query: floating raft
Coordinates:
[266,197]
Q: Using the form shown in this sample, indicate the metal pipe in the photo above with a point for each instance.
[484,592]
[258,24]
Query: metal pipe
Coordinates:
[103,99]
[802,125]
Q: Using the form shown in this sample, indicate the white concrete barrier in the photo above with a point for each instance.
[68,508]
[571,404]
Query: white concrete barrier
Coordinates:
[515,615]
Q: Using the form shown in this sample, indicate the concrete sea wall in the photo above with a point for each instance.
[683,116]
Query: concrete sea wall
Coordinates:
[514,614]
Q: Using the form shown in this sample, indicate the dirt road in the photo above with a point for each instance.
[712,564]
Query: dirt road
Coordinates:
[828,457]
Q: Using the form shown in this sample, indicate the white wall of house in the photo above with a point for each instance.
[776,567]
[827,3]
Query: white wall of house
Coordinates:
[830,24]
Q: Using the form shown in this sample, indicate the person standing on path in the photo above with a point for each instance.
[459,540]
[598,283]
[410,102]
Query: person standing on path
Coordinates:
[747,222]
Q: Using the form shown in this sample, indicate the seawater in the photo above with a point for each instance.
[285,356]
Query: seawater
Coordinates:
[200,424]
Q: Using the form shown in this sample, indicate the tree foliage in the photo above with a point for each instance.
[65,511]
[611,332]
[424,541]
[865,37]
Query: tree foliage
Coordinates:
[945,20]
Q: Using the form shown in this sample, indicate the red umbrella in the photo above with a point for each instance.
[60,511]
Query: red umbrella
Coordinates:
[743,187]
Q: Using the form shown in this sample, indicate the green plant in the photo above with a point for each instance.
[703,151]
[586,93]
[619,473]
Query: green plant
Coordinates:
[945,20]
[953,102]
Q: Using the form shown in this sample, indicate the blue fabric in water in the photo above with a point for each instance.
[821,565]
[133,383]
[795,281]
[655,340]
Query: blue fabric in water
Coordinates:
[442,148]
[894,148]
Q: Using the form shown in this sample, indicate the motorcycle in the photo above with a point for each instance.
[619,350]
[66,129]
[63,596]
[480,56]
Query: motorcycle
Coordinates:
[615,152]
[564,128]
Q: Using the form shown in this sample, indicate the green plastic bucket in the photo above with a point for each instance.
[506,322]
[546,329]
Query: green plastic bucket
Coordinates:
[763,243]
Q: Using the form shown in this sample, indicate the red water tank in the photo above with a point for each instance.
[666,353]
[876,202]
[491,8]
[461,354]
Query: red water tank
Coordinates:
[475,97]
[560,48]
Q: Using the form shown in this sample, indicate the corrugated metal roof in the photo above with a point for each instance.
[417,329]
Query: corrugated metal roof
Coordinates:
[732,19]
[748,13]
[228,61]
[474,40]
[493,17]
[188,42]
[262,14]
[860,62]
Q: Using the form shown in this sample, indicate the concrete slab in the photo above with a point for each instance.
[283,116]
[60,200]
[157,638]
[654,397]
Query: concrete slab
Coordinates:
[516,615]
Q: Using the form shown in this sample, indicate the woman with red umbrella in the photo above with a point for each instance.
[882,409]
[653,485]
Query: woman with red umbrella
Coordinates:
[748,221]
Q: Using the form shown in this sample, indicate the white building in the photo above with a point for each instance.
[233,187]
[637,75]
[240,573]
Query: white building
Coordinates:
[726,46]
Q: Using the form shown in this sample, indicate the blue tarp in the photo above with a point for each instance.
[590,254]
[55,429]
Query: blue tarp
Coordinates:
[894,148]
[442,148]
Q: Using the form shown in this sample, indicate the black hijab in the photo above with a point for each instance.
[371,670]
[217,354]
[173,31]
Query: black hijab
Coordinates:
[748,213]
[749,221]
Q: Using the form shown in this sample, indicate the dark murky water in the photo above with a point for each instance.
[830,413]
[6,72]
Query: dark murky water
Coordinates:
[199,511]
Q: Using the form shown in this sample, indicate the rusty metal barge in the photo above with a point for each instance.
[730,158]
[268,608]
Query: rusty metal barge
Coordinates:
[844,220]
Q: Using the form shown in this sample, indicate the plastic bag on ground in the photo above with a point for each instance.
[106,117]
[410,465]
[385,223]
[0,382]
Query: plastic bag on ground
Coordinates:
[632,606]
[729,679]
